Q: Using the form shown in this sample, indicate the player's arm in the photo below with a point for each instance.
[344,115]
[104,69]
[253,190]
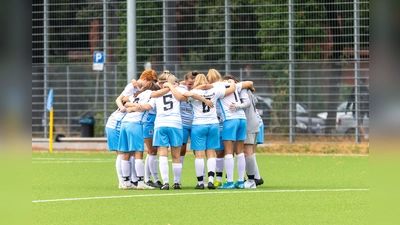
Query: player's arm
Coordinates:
[159,93]
[139,107]
[248,85]
[119,103]
[175,92]
[196,96]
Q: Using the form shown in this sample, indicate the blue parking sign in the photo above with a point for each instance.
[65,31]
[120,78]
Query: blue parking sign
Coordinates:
[98,57]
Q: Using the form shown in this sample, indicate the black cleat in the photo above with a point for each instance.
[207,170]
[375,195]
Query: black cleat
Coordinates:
[158,184]
[150,183]
[210,185]
[199,186]
[259,181]
[177,186]
[165,187]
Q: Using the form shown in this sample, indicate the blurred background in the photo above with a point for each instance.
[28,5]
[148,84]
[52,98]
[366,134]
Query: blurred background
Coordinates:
[305,58]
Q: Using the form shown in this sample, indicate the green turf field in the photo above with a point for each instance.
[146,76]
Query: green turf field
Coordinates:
[81,188]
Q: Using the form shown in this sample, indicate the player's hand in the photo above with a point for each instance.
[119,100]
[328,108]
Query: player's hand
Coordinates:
[235,106]
[122,109]
[168,85]
[209,103]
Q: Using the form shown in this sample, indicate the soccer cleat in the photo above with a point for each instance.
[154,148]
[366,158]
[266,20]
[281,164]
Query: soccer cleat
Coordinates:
[143,186]
[150,183]
[210,185]
[249,184]
[177,186]
[227,185]
[239,185]
[259,181]
[165,187]
[157,184]
[128,186]
[199,186]
[120,186]
[217,183]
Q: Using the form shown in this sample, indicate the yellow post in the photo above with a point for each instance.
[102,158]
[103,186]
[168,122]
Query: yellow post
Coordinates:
[51,131]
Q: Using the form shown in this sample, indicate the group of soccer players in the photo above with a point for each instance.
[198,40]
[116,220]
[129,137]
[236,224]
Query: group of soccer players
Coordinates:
[217,114]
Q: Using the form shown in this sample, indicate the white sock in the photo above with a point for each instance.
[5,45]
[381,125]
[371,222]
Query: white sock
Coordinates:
[118,168]
[229,165]
[211,168]
[134,177]
[139,167]
[150,165]
[199,165]
[182,158]
[219,167]
[241,166]
[177,171]
[155,169]
[126,169]
[164,169]
[250,165]
[256,171]
[147,170]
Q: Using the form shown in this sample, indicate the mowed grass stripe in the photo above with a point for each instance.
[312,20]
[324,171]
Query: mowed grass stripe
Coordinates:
[200,193]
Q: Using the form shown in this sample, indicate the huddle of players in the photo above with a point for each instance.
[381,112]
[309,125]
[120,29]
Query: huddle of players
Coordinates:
[216,114]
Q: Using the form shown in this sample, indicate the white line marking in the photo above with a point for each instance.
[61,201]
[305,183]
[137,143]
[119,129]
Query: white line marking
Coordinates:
[199,193]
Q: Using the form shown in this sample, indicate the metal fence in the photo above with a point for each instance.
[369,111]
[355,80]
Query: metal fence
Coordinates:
[304,57]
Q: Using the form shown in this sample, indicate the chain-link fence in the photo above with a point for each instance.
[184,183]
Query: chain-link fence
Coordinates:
[305,58]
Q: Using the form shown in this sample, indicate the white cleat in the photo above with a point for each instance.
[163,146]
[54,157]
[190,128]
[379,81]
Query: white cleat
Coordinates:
[250,184]
[128,186]
[143,186]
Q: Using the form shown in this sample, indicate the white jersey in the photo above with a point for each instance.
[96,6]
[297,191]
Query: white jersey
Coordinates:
[225,102]
[186,111]
[114,121]
[142,98]
[202,113]
[168,110]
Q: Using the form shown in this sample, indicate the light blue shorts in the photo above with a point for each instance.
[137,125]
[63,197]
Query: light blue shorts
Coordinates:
[204,136]
[148,126]
[260,136]
[186,134]
[167,136]
[131,137]
[112,138]
[234,130]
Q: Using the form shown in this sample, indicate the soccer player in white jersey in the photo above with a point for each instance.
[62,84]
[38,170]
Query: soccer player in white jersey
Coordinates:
[234,130]
[113,127]
[205,129]
[168,128]
[131,139]
[249,102]
[151,164]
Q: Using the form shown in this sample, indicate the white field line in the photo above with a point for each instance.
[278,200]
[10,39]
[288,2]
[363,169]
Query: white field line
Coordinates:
[199,193]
